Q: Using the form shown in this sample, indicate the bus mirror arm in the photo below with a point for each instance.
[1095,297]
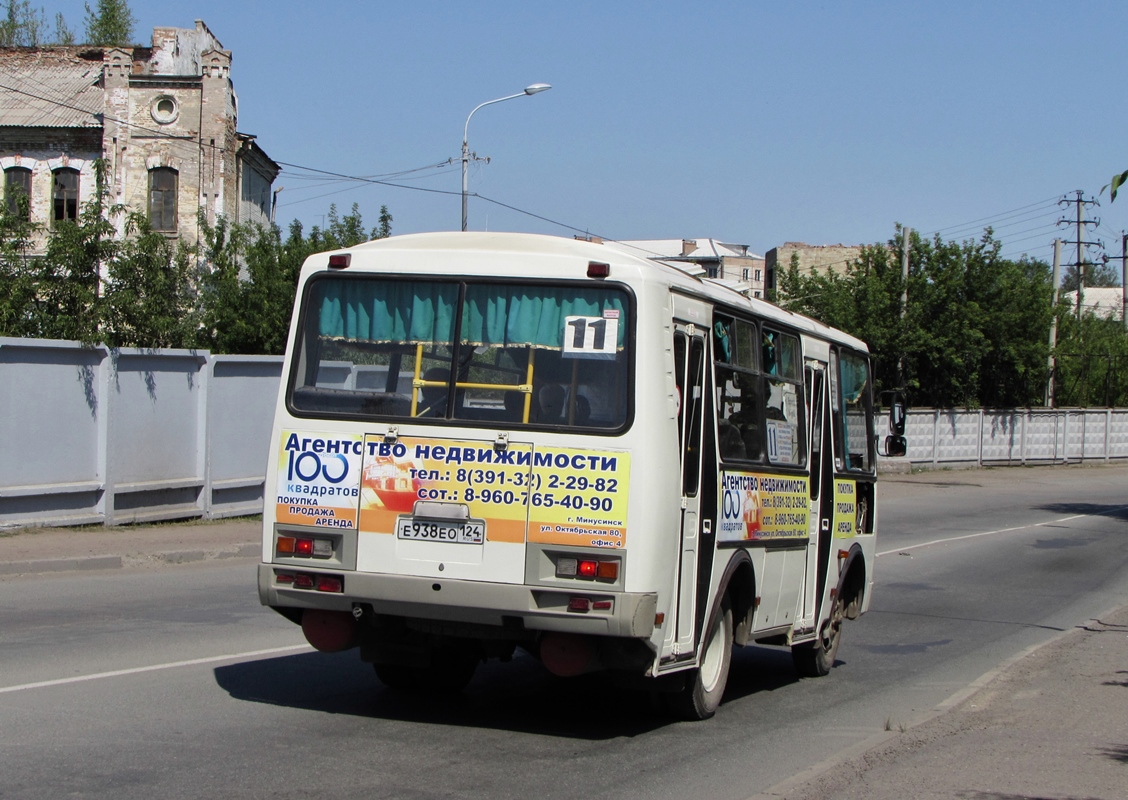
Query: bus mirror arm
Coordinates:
[895,444]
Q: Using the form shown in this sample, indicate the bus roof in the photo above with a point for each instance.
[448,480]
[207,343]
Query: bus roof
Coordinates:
[370,256]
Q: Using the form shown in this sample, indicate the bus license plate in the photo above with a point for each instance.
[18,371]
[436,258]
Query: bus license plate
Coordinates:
[453,532]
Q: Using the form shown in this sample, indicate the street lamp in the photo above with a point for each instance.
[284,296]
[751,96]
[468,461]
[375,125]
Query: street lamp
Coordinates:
[534,89]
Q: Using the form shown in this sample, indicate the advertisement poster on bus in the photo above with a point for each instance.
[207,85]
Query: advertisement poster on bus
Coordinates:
[845,508]
[564,495]
[579,497]
[319,479]
[492,483]
[757,507]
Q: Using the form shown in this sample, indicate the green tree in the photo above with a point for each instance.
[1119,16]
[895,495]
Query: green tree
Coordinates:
[232,293]
[149,297]
[975,330]
[17,301]
[111,25]
[22,26]
[1096,274]
[247,288]
[1091,360]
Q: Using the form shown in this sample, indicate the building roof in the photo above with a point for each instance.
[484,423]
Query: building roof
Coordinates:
[700,249]
[50,88]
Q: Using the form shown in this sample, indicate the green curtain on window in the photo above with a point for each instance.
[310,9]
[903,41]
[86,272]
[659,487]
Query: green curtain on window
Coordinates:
[496,315]
[387,311]
[533,315]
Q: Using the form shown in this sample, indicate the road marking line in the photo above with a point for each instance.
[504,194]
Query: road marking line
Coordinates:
[1000,530]
[134,670]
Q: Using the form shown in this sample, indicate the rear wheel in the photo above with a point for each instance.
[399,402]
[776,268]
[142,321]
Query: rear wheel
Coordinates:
[705,686]
[814,659]
[450,670]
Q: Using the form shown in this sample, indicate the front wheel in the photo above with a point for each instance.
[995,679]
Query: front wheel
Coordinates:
[814,659]
[705,686]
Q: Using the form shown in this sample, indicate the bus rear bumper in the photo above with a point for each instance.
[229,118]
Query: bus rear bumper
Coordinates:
[502,605]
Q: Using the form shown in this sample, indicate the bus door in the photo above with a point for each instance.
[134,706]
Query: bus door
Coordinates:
[689,360]
[821,494]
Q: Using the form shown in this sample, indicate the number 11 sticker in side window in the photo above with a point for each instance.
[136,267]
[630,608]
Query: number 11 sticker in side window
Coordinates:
[590,337]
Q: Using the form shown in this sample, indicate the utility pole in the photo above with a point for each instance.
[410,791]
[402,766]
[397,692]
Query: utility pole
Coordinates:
[1080,222]
[1053,322]
[1123,259]
[906,236]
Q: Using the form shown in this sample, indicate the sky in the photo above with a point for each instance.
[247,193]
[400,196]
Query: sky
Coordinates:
[751,122]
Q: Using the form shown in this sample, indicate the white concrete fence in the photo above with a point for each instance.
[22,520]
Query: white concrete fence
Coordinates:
[95,435]
[90,435]
[1013,437]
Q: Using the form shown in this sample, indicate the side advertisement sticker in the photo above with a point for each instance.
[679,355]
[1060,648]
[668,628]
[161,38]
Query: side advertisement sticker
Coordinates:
[580,497]
[845,508]
[319,479]
[493,484]
[763,507]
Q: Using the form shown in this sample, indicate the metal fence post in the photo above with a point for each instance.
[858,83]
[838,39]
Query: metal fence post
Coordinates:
[979,449]
[1108,434]
[204,434]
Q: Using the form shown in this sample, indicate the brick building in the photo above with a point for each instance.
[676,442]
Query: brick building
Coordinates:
[164,119]
[811,257]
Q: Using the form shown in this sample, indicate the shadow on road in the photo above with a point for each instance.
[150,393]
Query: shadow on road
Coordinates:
[519,696]
[1089,509]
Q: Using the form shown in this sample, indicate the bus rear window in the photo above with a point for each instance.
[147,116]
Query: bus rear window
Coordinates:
[487,353]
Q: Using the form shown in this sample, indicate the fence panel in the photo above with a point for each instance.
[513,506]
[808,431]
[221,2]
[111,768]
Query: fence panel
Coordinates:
[94,435]
[156,455]
[1014,436]
[52,431]
[242,393]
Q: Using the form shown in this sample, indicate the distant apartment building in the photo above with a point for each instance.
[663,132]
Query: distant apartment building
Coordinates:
[811,258]
[163,118]
[732,263]
[1100,301]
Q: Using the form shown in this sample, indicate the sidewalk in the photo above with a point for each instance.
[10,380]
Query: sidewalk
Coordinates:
[37,550]
[1050,724]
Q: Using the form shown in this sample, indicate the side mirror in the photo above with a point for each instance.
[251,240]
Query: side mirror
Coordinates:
[896,446]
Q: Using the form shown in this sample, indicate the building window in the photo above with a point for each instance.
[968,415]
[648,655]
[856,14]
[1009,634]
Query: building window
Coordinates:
[164,109]
[66,194]
[162,199]
[17,184]
[758,274]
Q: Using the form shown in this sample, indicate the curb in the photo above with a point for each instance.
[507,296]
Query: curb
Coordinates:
[87,563]
[852,752]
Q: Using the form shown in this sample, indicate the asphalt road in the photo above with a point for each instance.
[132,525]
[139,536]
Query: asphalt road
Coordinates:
[974,567]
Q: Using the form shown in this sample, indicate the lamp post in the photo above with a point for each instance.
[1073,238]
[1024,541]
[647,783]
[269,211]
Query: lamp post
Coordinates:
[534,89]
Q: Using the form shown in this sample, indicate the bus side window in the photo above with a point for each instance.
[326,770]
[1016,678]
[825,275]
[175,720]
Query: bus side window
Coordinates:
[739,392]
[853,434]
[784,403]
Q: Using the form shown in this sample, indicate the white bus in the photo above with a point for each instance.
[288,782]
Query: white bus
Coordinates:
[486,441]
